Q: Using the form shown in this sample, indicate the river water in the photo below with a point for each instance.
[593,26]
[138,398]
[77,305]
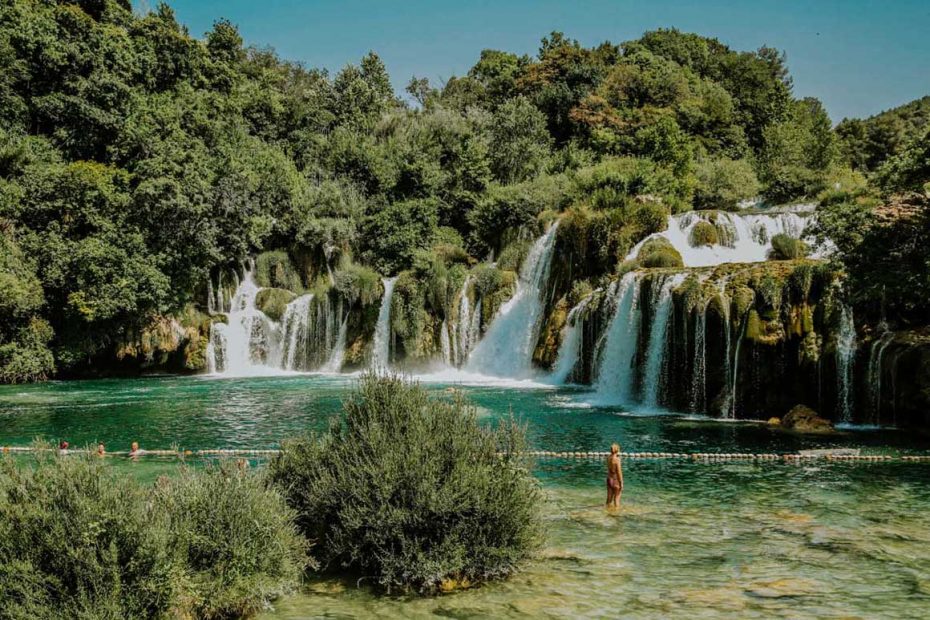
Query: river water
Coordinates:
[692,539]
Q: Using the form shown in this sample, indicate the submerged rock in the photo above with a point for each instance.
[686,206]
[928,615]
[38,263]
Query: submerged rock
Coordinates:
[803,419]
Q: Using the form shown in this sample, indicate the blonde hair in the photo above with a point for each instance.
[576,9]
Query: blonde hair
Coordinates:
[614,448]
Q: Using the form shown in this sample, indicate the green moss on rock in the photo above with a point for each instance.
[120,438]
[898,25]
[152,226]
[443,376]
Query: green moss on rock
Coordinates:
[273,301]
[659,252]
[703,233]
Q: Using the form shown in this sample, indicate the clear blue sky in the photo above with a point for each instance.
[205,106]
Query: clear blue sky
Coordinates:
[858,56]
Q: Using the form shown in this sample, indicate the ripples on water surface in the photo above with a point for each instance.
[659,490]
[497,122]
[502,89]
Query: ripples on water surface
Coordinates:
[698,540]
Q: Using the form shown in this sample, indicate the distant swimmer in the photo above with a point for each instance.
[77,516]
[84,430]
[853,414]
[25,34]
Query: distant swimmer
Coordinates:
[135,452]
[63,447]
[614,477]
[101,451]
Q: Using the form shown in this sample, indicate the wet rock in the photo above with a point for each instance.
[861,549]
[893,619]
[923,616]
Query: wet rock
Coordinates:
[803,419]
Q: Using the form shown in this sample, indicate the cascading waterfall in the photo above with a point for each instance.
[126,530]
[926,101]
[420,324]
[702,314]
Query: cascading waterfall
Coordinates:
[250,341]
[658,341]
[295,323]
[468,323]
[845,354]
[336,357]
[731,405]
[615,371]
[381,347]
[744,237]
[507,347]
[876,354]
[570,348]
[445,343]
[699,374]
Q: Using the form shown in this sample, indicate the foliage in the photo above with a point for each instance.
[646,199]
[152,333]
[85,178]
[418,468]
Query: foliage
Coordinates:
[445,498]
[273,302]
[659,252]
[703,233]
[78,540]
[358,284]
[136,160]
[786,247]
[723,183]
[235,538]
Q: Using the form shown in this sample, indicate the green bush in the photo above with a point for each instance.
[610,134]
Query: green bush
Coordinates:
[703,233]
[78,541]
[273,301]
[235,538]
[512,256]
[786,247]
[358,284]
[723,183]
[412,491]
[659,252]
[275,270]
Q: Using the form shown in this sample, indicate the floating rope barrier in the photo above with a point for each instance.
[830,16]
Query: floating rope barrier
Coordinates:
[842,455]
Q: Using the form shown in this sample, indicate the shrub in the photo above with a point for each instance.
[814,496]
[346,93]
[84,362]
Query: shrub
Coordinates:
[273,301]
[786,247]
[78,541]
[275,270]
[411,490]
[703,233]
[659,252]
[723,183]
[358,284]
[512,256]
[235,538]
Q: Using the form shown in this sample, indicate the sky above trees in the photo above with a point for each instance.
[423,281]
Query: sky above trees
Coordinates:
[857,56]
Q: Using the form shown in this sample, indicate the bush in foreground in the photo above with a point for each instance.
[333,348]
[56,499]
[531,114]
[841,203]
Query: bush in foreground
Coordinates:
[411,490]
[79,541]
[234,538]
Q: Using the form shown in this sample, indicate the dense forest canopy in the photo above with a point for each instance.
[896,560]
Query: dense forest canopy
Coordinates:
[136,160]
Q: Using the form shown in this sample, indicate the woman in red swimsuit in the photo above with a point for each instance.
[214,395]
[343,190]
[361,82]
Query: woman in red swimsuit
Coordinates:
[614,477]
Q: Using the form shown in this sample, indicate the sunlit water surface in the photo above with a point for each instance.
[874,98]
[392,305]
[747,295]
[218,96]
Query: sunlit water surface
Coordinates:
[699,540]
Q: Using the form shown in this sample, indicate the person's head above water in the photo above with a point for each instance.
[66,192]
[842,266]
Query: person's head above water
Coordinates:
[614,448]
[135,446]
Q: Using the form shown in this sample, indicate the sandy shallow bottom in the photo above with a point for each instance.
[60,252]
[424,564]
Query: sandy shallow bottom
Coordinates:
[700,541]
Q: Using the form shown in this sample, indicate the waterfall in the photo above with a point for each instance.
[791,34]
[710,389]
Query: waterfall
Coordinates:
[743,237]
[615,370]
[658,342]
[876,354]
[250,341]
[381,347]
[731,405]
[334,363]
[507,347]
[571,344]
[467,325]
[699,366]
[845,354]
[295,324]
[444,343]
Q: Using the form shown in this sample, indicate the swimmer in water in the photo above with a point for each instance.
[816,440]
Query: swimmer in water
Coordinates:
[614,477]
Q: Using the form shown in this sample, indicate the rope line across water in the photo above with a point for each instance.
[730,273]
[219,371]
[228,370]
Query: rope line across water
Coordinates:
[703,457]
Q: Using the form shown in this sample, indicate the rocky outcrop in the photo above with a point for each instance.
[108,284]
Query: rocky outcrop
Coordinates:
[803,419]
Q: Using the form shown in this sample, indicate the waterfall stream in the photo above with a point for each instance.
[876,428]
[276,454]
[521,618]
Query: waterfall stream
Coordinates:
[615,371]
[658,341]
[381,346]
[507,347]
[570,349]
[845,354]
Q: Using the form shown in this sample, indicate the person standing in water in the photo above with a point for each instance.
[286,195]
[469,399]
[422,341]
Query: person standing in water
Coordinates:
[614,477]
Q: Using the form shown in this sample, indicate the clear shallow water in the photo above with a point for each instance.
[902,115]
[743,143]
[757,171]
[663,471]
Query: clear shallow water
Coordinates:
[699,540]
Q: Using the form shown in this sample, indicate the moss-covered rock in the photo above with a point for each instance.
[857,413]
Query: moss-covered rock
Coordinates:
[273,302]
[803,419]
[276,270]
[550,338]
[786,247]
[703,233]
[659,252]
